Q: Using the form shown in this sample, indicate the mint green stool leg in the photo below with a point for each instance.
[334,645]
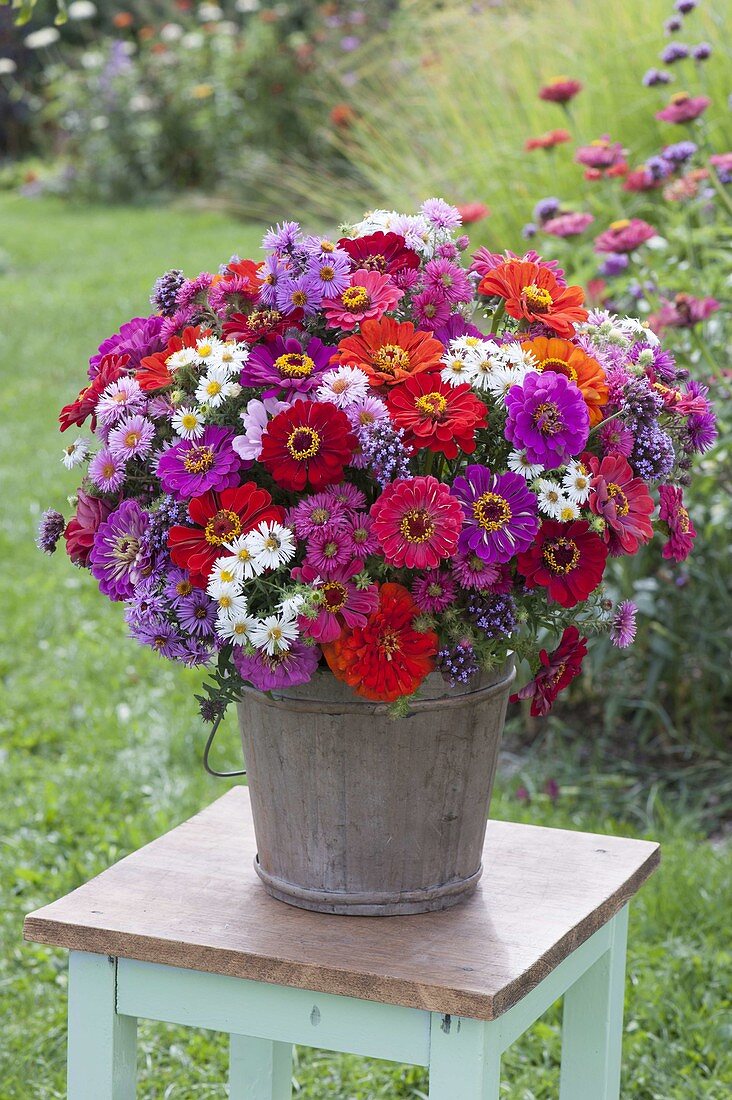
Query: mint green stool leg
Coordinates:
[465,1059]
[102,1054]
[593,1024]
[259,1069]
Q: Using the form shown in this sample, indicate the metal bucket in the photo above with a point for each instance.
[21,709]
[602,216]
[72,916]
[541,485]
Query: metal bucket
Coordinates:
[356,812]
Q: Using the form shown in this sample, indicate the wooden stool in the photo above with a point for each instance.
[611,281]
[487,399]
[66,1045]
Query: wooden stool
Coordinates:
[183,931]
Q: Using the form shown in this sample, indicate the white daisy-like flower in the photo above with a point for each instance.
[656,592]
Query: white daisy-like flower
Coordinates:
[550,496]
[185,357]
[216,386]
[75,453]
[519,463]
[634,327]
[468,343]
[241,549]
[188,422]
[208,350]
[228,602]
[235,628]
[293,605]
[274,634]
[568,511]
[343,386]
[501,379]
[233,356]
[456,366]
[226,570]
[271,544]
[576,482]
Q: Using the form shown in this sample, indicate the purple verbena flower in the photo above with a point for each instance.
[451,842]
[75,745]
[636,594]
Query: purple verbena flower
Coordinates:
[165,291]
[702,52]
[615,263]
[458,664]
[383,447]
[675,51]
[494,614]
[654,77]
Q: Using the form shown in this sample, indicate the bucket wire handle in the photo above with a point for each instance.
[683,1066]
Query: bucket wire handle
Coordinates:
[207,750]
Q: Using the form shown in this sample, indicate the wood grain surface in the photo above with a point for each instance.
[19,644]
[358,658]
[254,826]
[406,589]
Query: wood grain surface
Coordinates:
[192,899]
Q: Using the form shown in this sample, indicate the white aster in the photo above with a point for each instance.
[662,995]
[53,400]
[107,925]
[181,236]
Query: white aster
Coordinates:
[235,628]
[456,368]
[229,603]
[576,482]
[241,549]
[501,379]
[568,511]
[342,386]
[293,605]
[208,350]
[233,355]
[75,453]
[226,570]
[216,386]
[274,634]
[519,463]
[271,544]
[184,357]
[188,422]
[550,497]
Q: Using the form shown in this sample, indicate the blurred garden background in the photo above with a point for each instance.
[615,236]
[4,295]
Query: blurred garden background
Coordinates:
[141,136]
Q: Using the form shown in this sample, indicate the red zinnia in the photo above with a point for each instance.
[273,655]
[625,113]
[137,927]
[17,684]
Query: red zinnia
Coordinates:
[532,293]
[389,351]
[260,323]
[382,252]
[568,559]
[623,501]
[547,140]
[560,90]
[91,512]
[153,373]
[249,272]
[387,658]
[558,669]
[310,443]
[218,518]
[111,367]
[437,415]
[417,522]
[681,533]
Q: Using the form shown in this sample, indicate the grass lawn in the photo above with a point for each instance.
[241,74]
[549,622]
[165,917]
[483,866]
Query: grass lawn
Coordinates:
[100,743]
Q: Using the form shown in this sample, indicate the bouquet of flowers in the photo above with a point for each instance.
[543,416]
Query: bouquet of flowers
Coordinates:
[370,454]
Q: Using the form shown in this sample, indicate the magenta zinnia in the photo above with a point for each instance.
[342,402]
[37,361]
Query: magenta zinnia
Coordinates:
[417,522]
[547,418]
[193,466]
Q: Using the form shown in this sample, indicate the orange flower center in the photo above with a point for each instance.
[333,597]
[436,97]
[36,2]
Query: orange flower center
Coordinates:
[374,263]
[132,439]
[199,459]
[622,223]
[617,495]
[295,365]
[492,511]
[682,518]
[432,404]
[561,555]
[680,97]
[547,418]
[355,297]
[303,443]
[299,299]
[417,526]
[388,643]
[108,470]
[223,527]
[335,595]
[559,366]
[391,357]
[537,299]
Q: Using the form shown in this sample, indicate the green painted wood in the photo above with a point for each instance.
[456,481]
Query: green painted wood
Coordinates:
[259,1069]
[102,1044]
[465,1059]
[593,1024]
[280,1013]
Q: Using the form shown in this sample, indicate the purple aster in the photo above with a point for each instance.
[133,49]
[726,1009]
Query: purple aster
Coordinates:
[658,168]
[147,603]
[702,52]
[433,591]
[136,338]
[406,278]
[178,321]
[701,429]
[447,251]
[177,585]
[546,208]
[458,664]
[192,467]
[472,573]
[160,635]
[191,291]
[284,364]
[284,238]
[165,292]
[316,512]
[288,669]
[119,399]
[430,308]
[383,447]
[675,51]
[272,272]
[196,652]
[328,549]
[350,496]
[299,292]
[622,626]
[654,77]
[132,438]
[441,214]
[331,270]
[50,530]
[107,471]
[449,279]
[361,534]
[499,513]
[547,418]
[197,614]
[685,6]
[616,439]
[494,614]
[457,326]
[615,263]
[115,555]
[679,152]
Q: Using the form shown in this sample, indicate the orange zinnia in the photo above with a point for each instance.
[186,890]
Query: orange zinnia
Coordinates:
[386,658]
[565,358]
[153,372]
[390,352]
[532,293]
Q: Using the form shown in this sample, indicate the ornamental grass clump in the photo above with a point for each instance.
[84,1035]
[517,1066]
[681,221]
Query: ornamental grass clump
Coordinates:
[294,463]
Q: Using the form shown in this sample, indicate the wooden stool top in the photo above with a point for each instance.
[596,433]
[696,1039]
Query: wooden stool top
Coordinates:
[192,899]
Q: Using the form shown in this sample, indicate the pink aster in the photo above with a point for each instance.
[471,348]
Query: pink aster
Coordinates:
[471,572]
[624,236]
[433,591]
[119,399]
[616,439]
[107,471]
[681,532]
[449,280]
[431,308]
[317,512]
[683,107]
[567,225]
[370,294]
[362,534]
[132,438]
[329,550]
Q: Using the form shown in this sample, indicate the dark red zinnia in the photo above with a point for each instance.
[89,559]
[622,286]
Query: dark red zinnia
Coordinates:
[111,367]
[558,669]
[218,518]
[568,559]
[310,443]
[91,512]
[436,415]
[382,252]
[623,501]
[248,328]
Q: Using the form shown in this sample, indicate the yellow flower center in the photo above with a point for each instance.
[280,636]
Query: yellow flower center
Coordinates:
[189,421]
[184,588]
[222,527]
[199,459]
[335,595]
[619,498]
[417,526]
[241,628]
[204,350]
[213,387]
[388,643]
[132,439]
[355,297]
[682,518]
[227,575]
[559,366]
[303,443]
[547,418]
[299,299]
[327,273]
[491,511]
[391,357]
[295,365]
[561,555]
[621,223]
[537,298]
[680,97]
[432,404]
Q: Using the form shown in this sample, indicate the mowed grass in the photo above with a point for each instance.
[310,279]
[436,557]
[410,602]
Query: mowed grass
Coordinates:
[100,744]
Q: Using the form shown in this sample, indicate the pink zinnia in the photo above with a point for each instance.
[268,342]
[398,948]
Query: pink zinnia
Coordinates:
[681,532]
[560,90]
[485,261]
[417,522]
[624,236]
[567,225]
[370,294]
[601,153]
[684,311]
[683,107]
[434,591]
[341,602]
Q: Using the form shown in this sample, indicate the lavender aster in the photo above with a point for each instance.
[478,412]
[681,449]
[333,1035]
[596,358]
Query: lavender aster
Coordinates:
[160,635]
[197,613]
[165,291]
[50,530]
[545,209]
[622,626]
[615,263]
[678,153]
[702,52]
